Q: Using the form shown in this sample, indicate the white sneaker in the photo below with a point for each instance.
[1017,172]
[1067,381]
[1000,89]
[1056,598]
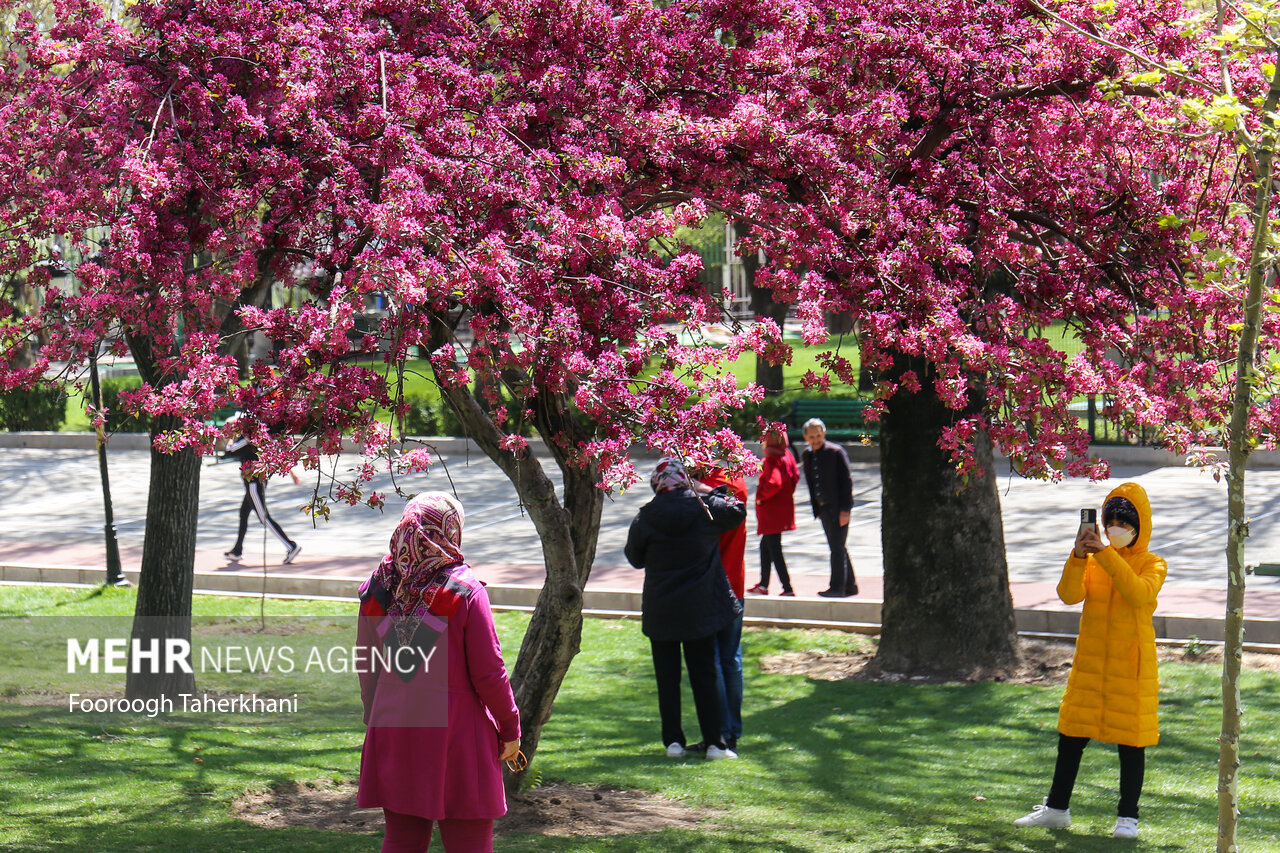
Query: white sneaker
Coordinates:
[675,750]
[293,552]
[715,753]
[1126,827]
[1046,817]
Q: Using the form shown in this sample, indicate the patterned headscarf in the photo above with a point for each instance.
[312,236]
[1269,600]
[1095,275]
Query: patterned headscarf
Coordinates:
[425,545]
[669,476]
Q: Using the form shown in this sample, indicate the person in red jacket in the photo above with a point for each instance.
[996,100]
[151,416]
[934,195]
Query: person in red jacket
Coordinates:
[775,510]
[733,549]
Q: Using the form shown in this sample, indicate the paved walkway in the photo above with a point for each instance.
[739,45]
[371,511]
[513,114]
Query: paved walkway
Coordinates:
[52,504]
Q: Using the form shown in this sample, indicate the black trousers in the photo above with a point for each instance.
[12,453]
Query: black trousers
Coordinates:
[1133,762]
[255,500]
[771,554]
[700,658]
[842,579]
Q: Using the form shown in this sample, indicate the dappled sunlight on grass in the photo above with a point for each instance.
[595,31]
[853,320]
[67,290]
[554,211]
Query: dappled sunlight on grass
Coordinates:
[863,766]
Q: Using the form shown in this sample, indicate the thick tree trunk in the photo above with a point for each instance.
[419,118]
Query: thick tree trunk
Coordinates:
[947,607]
[163,610]
[568,534]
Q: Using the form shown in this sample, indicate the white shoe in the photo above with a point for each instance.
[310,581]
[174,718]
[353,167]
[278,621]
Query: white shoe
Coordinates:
[675,750]
[715,753]
[1046,817]
[293,552]
[1126,827]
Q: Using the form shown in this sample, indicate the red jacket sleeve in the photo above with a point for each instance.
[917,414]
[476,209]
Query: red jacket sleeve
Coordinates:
[773,479]
[488,672]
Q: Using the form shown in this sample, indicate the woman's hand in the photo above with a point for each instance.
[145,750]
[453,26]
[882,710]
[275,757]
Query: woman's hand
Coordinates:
[509,750]
[1087,542]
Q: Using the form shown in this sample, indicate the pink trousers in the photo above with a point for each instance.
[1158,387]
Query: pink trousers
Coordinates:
[411,834]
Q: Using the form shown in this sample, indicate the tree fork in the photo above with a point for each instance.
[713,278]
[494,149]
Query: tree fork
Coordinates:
[568,537]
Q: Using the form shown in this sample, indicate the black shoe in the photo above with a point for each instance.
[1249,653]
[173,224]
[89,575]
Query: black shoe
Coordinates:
[732,743]
[700,746]
[833,593]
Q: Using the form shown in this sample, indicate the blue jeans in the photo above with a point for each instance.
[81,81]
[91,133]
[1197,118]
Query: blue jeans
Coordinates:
[729,675]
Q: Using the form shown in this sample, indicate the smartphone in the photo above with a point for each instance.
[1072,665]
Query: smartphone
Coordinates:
[1089,520]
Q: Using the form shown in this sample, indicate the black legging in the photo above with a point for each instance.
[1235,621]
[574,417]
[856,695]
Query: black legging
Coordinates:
[771,553]
[255,500]
[1133,760]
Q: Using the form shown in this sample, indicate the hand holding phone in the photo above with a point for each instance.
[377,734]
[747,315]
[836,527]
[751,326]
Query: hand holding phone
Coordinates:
[1088,538]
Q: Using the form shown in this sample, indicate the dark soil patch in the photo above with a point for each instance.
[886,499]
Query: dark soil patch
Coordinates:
[1042,662]
[561,809]
[556,809]
[315,805]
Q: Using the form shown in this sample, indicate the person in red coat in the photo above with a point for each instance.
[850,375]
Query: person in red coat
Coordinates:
[733,549]
[775,510]
[438,725]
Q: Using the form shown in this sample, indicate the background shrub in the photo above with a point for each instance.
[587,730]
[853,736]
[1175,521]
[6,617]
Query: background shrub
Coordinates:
[118,420]
[40,409]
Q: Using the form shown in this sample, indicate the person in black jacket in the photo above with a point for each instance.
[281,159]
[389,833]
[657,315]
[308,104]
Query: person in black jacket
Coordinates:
[686,601]
[826,470]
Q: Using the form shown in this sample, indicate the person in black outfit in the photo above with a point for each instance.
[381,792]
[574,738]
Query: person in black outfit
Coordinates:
[687,600]
[826,470]
[255,500]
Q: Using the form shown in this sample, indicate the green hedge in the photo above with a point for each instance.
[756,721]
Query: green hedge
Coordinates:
[434,416]
[40,409]
[743,421]
[118,420]
[431,416]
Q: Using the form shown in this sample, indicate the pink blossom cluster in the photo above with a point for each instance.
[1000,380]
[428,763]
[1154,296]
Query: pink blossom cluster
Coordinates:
[959,177]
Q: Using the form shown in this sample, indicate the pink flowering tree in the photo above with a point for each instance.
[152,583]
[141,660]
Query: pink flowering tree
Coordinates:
[971,182]
[492,172]
[520,174]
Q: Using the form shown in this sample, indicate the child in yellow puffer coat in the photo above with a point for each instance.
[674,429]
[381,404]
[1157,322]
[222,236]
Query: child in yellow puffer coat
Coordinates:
[1113,690]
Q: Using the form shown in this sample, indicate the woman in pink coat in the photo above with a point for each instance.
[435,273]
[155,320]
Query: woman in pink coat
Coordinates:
[438,707]
[775,510]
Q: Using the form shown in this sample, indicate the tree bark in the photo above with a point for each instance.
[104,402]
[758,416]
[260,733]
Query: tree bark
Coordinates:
[769,376]
[947,606]
[1261,279]
[163,609]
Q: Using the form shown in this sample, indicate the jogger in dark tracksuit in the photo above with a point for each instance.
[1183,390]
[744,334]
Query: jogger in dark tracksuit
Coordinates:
[255,499]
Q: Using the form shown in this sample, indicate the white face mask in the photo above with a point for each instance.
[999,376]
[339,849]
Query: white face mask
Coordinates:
[1120,537]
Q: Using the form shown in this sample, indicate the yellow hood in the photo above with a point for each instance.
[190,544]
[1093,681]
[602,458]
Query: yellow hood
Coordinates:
[1137,496]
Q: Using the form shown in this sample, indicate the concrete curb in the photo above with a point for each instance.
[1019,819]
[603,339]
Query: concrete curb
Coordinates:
[838,614]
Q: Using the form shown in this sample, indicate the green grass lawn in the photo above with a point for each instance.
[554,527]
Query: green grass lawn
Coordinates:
[825,766]
[803,359]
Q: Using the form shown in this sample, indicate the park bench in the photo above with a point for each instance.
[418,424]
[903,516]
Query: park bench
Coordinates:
[221,416]
[843,417]
[1270,569]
